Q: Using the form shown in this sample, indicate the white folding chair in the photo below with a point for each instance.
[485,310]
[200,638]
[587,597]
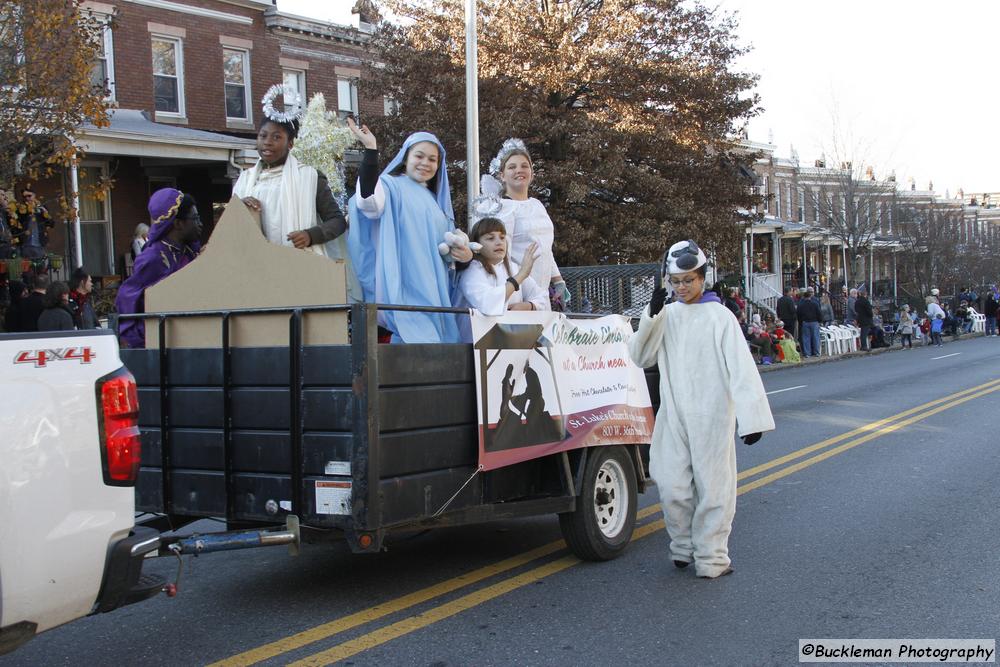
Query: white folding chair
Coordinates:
[828,343]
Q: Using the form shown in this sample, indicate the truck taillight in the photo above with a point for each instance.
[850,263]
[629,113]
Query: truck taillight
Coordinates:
[119,416]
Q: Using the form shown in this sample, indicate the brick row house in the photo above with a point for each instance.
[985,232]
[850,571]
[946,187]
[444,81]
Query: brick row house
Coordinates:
[186,78]
[796,243]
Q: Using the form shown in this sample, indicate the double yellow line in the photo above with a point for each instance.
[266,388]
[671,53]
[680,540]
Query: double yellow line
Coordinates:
[445,610]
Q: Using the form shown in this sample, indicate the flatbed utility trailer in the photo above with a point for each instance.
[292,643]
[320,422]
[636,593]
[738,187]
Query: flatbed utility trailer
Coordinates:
[349,442]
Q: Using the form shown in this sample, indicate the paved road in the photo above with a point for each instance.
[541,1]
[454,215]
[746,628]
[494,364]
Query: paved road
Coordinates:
[871,512]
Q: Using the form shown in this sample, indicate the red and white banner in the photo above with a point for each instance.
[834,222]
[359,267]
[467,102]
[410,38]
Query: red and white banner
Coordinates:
[548,383]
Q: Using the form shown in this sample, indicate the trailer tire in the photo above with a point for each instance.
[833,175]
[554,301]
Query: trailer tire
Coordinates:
[601,526]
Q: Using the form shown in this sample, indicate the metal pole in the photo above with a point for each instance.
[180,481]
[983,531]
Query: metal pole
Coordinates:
[74,178]
[747,263]
[471,107]
[805,258]
[871,270]
[843,261]
[895,285]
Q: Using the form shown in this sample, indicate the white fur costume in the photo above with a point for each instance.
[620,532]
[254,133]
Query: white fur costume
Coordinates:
[708,383]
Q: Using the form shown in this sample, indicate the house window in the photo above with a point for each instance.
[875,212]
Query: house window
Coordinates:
[390,107]
[767,192]
[802,205]
[102,73]
[95,221]
[168,75]
[777,200]
[296,80]
[236,67]
[347,97]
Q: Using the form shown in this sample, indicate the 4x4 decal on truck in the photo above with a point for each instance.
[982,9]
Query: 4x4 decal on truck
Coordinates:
[41,358]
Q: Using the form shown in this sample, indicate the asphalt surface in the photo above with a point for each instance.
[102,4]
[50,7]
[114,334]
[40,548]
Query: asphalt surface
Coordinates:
[890,533]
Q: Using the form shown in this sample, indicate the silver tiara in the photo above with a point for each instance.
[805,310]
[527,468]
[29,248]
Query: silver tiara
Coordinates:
[292,99]
[508,147]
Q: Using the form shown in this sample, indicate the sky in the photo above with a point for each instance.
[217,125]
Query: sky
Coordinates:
[904,86]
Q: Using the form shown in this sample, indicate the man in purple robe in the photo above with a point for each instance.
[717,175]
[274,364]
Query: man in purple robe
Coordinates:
[173,243]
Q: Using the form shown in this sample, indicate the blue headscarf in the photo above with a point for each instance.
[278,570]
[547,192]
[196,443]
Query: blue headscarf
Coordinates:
[442,193]
[398,251]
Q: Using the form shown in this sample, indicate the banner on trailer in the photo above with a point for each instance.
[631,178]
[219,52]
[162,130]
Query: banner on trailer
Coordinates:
[547,383]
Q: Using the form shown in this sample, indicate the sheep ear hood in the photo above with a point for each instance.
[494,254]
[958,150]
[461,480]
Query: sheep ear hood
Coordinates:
[682,257]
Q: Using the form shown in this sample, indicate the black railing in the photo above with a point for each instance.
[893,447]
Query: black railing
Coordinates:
[617,289]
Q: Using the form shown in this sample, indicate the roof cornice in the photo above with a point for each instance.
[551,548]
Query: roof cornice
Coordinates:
[306,27]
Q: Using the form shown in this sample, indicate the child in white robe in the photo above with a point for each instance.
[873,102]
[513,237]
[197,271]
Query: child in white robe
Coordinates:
[708,384]
[525,217]
[492,283]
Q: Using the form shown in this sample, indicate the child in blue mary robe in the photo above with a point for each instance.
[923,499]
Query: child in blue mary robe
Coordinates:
[397,221]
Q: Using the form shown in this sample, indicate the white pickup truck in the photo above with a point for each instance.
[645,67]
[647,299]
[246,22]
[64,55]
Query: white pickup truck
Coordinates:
[69,457]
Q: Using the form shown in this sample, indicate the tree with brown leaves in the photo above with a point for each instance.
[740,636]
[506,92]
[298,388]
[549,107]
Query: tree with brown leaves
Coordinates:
[629,110]
[47,54]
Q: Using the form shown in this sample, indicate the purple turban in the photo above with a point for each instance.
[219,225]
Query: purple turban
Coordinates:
[163,207]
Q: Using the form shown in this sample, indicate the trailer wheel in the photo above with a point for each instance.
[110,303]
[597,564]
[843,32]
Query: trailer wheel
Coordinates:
[602,524]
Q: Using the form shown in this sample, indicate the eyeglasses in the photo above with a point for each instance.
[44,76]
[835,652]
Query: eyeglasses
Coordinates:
[687,282]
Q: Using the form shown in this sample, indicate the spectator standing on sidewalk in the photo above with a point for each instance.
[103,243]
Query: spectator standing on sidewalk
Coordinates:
[81,288]
[864,315]
[787,313]
[850,316]
[808,312]
[905,327]
[991,306]
[825,310]
[935,314]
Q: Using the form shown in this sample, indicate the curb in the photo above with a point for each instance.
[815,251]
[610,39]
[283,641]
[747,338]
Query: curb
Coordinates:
[852,355]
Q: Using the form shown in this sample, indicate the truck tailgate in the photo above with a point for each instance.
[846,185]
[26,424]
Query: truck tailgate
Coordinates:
[57,516]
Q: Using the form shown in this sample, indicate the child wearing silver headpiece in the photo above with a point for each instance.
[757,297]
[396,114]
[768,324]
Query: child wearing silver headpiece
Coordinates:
[525,218]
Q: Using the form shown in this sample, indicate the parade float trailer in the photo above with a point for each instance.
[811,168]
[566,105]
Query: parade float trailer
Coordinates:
[267,401]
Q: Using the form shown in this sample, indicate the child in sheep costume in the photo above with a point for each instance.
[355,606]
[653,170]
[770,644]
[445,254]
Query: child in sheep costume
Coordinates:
[708,384]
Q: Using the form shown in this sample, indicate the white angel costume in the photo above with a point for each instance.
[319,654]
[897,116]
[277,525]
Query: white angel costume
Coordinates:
[488,294]
[708,384]
[526,222]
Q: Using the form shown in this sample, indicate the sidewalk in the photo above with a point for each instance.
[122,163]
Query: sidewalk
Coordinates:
[851,355]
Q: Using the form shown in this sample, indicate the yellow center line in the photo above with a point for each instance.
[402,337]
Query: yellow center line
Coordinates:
[448,609]
[784,472]
[378,611]
[867,428]
[411,624]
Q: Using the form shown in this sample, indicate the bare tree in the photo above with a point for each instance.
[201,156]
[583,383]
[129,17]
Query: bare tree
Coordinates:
[930,256]
[853,205]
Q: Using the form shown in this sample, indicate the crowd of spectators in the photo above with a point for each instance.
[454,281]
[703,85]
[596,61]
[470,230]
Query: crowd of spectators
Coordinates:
[794,330]
[38,303]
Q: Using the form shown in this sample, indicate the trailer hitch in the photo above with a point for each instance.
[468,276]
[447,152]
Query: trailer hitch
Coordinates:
[196,543]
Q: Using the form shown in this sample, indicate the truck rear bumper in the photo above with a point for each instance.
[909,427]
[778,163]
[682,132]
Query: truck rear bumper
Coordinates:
[123,581]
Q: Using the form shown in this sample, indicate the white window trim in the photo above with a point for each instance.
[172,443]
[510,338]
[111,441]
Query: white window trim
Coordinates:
[108,221]
[109,59]
[179,66]
[353,88]
[196,11]
[301,75]
[246,86]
